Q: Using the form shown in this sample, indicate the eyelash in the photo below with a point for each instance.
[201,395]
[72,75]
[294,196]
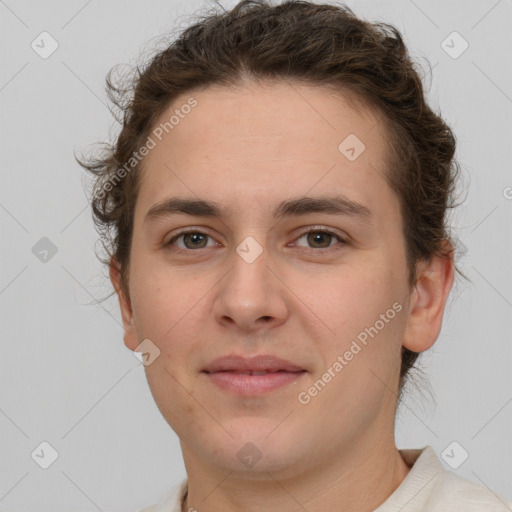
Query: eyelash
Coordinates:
[305,249]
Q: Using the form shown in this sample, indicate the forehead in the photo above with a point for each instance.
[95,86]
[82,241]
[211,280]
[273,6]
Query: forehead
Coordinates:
[279,114]
[266,141]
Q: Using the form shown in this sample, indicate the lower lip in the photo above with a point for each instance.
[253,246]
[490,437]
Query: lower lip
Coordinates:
[241,384]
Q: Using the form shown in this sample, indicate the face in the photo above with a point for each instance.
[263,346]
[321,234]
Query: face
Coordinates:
[319,284]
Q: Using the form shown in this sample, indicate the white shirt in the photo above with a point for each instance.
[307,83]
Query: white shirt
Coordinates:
[428,487]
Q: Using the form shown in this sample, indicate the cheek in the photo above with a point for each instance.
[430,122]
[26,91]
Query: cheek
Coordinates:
[171,395]
[366,314]
[353,299]
[163,300]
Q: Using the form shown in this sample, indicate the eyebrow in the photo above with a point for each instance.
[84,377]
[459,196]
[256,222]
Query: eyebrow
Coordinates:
[338,205]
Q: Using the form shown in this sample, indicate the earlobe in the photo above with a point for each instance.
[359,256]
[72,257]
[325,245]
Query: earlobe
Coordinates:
[428,300]
[130,333]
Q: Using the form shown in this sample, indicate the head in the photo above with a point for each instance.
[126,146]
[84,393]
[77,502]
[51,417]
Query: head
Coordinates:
[245,113]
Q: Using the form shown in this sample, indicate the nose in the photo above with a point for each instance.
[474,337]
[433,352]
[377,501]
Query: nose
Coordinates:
[251,296]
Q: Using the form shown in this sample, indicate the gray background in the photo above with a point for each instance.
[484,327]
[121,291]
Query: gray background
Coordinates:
[65,375]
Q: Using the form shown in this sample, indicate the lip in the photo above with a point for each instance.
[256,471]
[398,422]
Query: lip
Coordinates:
[259,363]
[234,374]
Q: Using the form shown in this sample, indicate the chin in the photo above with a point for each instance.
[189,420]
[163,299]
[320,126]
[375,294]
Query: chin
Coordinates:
[257,449]
[255,463]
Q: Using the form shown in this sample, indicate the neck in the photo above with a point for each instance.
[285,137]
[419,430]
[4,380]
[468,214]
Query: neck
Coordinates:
[342,483]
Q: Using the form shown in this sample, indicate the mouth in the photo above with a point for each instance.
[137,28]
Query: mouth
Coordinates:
[255,372]
[253,383]
[252,376]
[262,363]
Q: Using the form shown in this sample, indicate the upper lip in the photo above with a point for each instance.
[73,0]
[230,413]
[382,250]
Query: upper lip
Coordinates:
[257,363]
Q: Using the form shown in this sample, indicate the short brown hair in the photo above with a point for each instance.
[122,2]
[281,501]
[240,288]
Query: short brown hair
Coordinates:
[319,44]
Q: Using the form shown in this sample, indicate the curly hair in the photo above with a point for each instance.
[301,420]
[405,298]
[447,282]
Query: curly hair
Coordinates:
[318,44]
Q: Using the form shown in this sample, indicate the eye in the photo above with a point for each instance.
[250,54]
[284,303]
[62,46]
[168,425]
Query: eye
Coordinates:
[195,239]
[191,239]
[321,239]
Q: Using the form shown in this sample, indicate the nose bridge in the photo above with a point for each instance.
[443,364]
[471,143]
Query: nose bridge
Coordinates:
[248,277]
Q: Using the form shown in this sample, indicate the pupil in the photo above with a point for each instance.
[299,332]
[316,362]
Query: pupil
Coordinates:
[195,237]
[317,235]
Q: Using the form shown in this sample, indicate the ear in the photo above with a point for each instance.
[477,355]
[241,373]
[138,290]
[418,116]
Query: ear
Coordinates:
[428,300]
[131,339]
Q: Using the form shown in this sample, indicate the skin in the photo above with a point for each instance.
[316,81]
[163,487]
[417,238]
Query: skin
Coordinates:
[248,149]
